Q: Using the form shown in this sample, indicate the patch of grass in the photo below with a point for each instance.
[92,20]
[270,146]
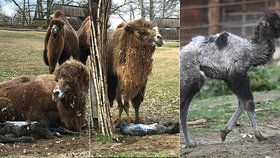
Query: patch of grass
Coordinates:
[171,44]
[21,53]
[22,34]
[269,108]
[218,117]
[140,154]
[101,138]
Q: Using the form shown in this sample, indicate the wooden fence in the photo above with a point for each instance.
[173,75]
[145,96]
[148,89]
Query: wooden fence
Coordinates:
[202,17]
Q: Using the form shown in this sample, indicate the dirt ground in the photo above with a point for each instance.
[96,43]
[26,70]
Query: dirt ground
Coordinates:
[67,146]
[240,142]
[121,146]
[145,146]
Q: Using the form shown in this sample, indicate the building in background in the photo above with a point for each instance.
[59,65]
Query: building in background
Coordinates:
[169,28]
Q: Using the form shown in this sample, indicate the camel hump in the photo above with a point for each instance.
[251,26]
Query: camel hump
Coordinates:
[222,40]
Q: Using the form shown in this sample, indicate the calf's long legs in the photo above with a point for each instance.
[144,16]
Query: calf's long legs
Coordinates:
[240,85]
[190,83]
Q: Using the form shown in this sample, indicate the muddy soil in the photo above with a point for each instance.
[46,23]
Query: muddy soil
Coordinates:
[240,142]
[156,145]
[67,146]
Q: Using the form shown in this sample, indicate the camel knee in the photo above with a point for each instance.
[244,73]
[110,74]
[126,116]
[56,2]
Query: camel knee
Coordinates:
[250,106]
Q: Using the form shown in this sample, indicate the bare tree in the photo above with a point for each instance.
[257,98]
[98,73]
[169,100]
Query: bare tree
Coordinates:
[147,8]
[151,10]
[1,9]
[23,10]
[167,8]
[38,9]
[142,8]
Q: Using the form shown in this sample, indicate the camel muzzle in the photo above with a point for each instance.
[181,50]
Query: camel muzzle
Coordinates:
[158,41]
[54,30]
[57,95]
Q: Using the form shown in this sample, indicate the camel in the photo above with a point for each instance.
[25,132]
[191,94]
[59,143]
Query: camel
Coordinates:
[227,57]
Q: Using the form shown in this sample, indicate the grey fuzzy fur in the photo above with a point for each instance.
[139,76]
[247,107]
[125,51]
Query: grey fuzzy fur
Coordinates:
[227,57]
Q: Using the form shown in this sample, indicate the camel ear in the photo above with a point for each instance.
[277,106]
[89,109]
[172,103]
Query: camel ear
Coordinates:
[120,25]
[264,23]
[128,27]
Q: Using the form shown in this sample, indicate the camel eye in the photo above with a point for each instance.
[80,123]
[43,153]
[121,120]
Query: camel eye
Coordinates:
[72,83]
[142,31]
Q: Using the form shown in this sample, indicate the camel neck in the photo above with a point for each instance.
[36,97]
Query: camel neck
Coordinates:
[263,48]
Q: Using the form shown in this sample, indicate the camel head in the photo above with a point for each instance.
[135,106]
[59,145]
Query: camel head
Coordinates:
[144,32]
[56,26]
[71,77]
[270,25]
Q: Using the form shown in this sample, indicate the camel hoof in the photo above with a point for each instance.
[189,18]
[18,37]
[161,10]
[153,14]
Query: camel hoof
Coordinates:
[223,134]
[137,121]
[190,145]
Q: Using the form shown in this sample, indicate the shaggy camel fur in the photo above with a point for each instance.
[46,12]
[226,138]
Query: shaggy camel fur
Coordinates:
[227,57]
[54,100]
[61,42]
[84,39]
[129,63]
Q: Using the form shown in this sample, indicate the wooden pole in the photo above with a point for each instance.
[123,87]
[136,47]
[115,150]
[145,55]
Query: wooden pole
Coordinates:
[100,11]
[213,16]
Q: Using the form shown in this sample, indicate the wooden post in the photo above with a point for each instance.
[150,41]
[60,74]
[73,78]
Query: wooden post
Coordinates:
[213,16]
[277,5]
[101,116]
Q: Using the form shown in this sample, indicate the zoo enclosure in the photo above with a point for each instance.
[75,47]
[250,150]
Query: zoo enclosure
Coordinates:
[169,28]
[74,14]
[201,17]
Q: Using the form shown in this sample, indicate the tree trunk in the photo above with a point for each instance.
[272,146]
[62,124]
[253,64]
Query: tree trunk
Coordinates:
[29,14]
[132,14]
[99,11]
[142,9]
[163,8]
[23,13]
[152,7]
[48,9]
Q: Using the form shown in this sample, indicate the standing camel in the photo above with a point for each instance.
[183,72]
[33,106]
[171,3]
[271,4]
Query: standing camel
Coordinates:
[227,57]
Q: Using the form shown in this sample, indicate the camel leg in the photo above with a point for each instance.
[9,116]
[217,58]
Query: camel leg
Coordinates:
[126,108]
[120,107]
[250,110]
[112,81]
[136,102]
[241,87]
[191,82]
[45,57]
[232,121]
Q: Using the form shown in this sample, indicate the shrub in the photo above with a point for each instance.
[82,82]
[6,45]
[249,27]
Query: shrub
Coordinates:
[262,79]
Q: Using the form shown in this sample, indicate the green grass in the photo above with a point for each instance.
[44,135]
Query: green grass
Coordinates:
[217,117]
[101,138]
[171,44]
[21,53]
[22,34]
